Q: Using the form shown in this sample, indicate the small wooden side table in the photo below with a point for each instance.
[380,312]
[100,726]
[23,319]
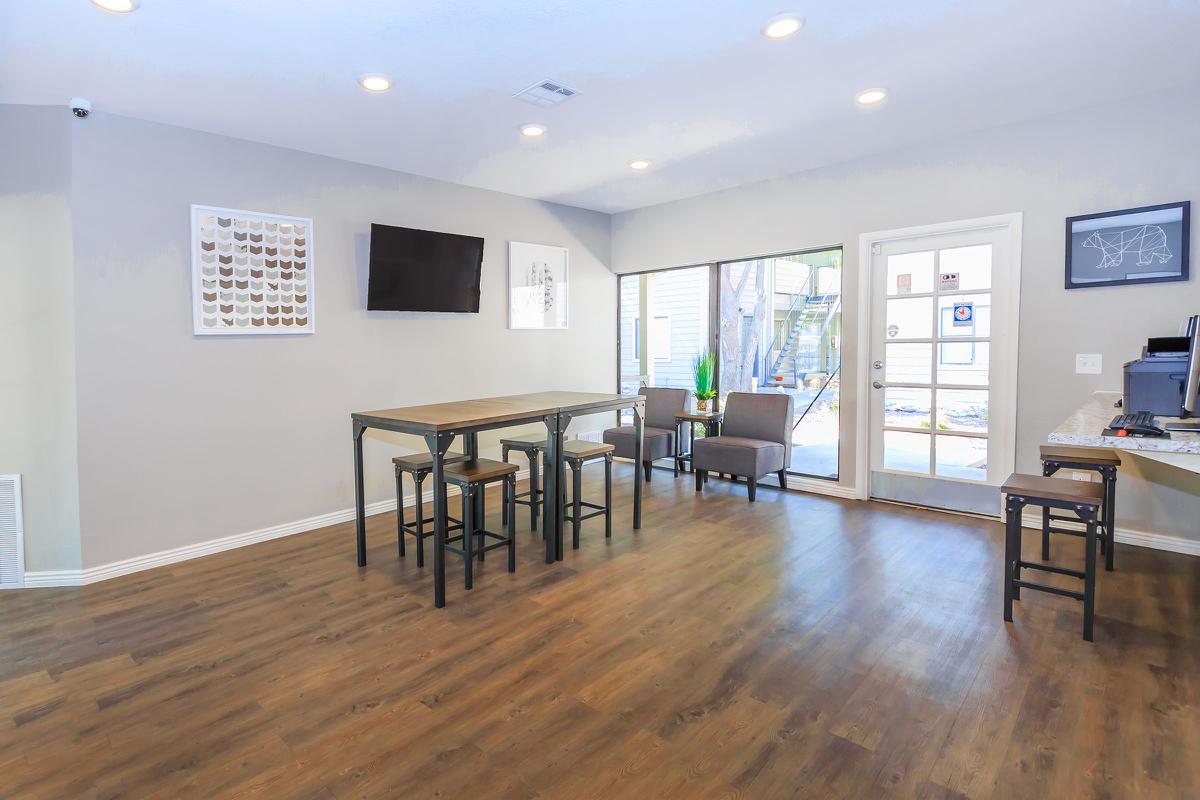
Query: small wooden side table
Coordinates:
[711,420]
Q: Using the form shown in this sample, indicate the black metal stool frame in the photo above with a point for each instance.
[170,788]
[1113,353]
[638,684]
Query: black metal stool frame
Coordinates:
[1087,514]
[416,528]
[473,512]
[532,498]
[1108,514]
[576,516]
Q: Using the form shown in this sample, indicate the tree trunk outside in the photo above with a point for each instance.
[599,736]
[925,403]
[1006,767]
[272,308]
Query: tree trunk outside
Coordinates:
[737,356]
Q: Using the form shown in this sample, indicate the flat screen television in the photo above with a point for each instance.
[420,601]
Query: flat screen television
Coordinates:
[415,270]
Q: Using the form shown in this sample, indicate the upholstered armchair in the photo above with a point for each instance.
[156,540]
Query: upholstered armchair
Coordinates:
[660,430]
[755,440]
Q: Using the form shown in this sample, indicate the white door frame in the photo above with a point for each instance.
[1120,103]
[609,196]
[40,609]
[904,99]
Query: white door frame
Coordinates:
[1012,223]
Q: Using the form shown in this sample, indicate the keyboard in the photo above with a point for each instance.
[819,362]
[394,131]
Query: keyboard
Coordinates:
[1141,423]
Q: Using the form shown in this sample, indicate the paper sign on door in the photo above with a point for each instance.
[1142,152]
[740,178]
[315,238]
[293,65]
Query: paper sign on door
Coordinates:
[964,315]
[948,282]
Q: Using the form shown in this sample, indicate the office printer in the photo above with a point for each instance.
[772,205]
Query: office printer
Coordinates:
[1155,382]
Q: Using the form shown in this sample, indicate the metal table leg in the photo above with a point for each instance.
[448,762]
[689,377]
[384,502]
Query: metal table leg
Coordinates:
[360,503]
[438,444]
[560,483]
[550,502]
[639,409]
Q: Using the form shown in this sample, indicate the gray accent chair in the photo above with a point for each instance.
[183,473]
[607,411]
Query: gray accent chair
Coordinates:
[660,429]
[755,440]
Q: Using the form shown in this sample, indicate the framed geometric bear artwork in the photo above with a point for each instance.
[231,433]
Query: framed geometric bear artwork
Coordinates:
[252,273]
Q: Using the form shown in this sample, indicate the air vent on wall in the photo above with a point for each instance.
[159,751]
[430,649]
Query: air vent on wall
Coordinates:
[12,558]
[545,93]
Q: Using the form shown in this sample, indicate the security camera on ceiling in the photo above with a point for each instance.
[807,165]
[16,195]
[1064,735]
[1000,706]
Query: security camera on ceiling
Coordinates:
[81,107]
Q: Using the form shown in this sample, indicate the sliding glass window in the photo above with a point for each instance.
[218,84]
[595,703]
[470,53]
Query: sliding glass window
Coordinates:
[664,325]
[778,326]
[780,331]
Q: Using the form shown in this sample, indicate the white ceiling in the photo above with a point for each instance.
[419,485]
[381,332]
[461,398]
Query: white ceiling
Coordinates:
[690,85]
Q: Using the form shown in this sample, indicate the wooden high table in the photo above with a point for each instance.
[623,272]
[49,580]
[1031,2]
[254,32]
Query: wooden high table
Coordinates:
[439,423]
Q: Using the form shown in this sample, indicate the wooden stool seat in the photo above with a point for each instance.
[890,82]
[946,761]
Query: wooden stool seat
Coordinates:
[480,470]
[1067,454]
[424,461]
[1060,489]
[524,442]
[1081,498]
[582,450]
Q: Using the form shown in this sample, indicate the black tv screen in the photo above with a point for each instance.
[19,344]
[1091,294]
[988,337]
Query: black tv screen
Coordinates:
[415,270]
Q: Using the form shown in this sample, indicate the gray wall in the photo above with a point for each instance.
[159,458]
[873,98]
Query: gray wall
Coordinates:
[37,380]
[185,439]
[1073,164]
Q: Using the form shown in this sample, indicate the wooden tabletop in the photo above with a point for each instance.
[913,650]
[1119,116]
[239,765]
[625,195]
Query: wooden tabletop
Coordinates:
[437,417]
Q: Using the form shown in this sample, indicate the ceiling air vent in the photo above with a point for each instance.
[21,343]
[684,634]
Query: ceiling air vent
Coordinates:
[12,558]
[545,93]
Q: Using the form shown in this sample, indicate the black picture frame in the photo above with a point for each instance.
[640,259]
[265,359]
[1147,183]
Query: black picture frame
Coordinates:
[1116,249]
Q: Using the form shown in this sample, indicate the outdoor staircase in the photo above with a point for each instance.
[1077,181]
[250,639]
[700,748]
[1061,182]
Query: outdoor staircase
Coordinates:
[796,352]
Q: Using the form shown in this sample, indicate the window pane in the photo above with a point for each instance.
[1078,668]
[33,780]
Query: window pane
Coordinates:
[674,333]
[977,321]
[906,407]
[906,451]
[962,410]
[964,363]
[780,331]
[660,338]
[973,265]
[910,318]
[962,457]
[910,273]
[908,363]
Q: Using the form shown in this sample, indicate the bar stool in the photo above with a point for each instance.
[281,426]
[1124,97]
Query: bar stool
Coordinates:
[1084,500]
[576,453]
[472,477]
[533,447]
[1105,462]
[418,466]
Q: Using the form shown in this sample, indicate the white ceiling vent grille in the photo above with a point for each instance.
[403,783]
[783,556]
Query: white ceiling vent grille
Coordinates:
[546,93]
[12,557]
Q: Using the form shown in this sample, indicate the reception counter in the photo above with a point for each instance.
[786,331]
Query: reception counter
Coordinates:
[1083,429]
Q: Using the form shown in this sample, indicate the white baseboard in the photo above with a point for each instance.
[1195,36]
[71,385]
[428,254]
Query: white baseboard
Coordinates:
[82,577]
[1155,541]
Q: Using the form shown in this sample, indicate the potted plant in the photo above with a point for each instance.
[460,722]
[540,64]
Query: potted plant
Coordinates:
[705,372]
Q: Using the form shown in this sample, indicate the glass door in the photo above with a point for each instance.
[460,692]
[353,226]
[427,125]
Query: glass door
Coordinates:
[940,426]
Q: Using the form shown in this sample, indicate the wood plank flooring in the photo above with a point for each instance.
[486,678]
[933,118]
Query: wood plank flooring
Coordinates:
[798,647]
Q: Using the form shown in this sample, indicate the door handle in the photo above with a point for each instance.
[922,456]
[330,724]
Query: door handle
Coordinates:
[877,384]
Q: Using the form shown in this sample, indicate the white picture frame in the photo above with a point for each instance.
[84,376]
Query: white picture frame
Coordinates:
[233,285]
[538,286]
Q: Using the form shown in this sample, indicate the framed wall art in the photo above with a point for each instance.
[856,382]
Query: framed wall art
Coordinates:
[1137,245]
[537,286]
[252,273]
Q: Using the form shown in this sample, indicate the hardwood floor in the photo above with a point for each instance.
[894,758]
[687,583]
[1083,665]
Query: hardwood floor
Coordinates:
[799,647]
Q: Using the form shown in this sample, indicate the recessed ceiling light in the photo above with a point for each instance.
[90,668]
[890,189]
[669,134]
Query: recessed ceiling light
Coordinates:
[783,26]
[533,130]
[375,83]
[116,6]
[871,97]
[639,164]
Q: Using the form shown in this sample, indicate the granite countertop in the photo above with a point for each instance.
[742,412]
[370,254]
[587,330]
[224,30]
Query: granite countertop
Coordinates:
[1083,429]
